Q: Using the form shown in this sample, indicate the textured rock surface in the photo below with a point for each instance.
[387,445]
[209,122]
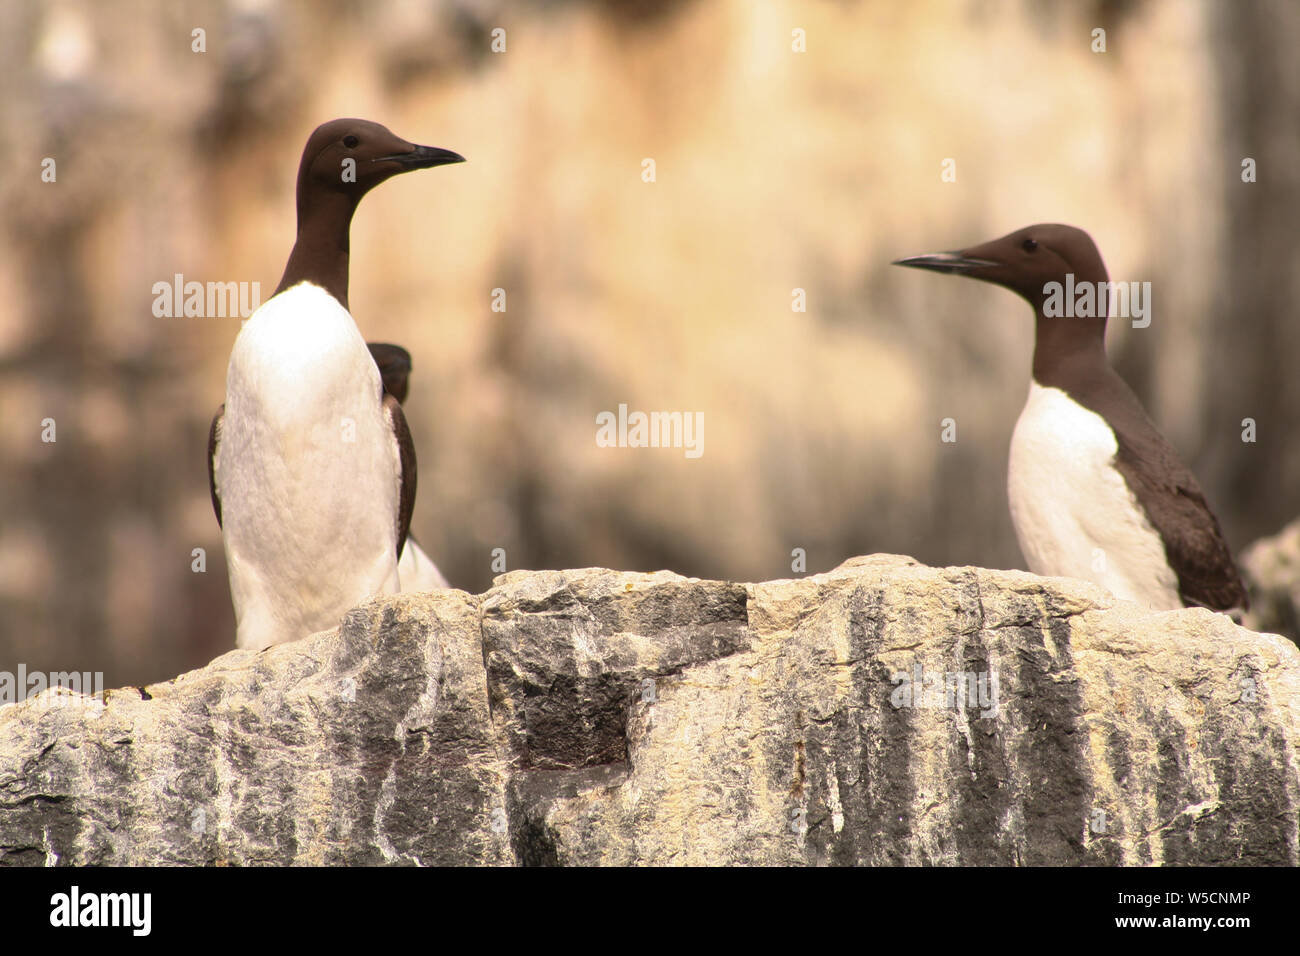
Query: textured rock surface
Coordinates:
[599,717]
[1272,570]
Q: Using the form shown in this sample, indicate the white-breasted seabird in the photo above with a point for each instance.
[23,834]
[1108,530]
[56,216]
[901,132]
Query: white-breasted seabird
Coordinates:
[1096,492]
[415,570]
[310,464]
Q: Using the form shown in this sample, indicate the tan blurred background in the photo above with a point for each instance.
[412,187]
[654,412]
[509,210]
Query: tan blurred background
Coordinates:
[775,170]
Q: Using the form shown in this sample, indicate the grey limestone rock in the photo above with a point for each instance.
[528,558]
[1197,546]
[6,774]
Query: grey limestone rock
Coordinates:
[881,713]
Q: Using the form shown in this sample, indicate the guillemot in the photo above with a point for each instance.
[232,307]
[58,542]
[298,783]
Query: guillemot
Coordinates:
[1096,492]
[394,364]
[415,570]
[310,463]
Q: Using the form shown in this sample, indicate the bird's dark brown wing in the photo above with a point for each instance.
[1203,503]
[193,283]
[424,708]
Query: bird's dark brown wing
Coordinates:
[1174,504]
[214,440]
[1167,491]
[1176,507]
[406,456]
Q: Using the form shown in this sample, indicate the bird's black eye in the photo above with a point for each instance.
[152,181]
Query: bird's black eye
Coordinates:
[350,141]
[1029,245]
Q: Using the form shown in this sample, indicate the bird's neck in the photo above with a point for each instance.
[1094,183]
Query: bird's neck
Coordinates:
[1069,347]
[320,252]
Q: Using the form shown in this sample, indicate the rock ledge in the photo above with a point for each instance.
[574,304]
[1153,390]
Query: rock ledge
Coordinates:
[881,713]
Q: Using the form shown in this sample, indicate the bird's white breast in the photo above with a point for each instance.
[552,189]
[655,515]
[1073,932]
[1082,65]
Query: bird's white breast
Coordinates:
[308,470]
[1073,512]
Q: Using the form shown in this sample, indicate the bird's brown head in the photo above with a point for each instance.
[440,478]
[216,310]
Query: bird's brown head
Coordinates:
[342,161]
[1024,261]
[349,157]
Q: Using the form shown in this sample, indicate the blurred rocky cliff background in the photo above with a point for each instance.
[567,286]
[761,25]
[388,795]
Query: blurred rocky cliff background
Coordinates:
[775,170]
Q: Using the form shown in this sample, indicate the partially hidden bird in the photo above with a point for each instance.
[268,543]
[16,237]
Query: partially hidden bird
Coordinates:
[415,569]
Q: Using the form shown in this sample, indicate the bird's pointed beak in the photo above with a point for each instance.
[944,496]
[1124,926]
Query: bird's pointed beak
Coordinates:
[422,157]
[952,262]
